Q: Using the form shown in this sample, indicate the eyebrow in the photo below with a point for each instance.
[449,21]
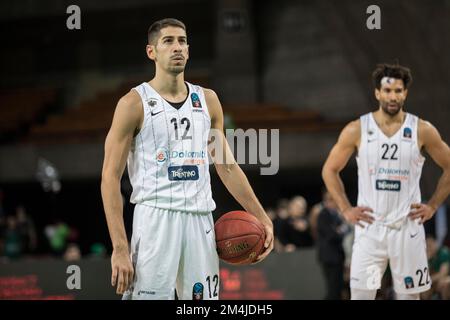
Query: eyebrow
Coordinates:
[171,37]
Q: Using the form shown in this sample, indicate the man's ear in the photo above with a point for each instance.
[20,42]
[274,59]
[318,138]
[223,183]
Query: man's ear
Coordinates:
[150,49]
[377,94]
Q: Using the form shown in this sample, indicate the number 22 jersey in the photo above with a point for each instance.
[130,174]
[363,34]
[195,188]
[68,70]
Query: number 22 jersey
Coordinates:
[389,169]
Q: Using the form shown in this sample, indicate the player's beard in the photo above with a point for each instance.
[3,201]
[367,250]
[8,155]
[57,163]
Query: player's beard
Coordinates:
[175,70]
[176,67]
[390,111]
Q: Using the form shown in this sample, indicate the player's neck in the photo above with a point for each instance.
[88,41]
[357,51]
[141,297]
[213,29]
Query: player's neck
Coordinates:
[169,85]
[383,118]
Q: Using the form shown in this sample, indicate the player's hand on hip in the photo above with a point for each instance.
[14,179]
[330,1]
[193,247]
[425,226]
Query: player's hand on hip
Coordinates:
[122,271]
[268,243]
[355,215]
[421,211]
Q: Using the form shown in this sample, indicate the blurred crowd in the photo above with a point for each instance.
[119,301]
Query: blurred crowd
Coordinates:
[297,226]
[19,238]
[322,227]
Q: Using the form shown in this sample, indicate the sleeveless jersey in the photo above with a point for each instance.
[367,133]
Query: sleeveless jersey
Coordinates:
[389,169]
[168,161]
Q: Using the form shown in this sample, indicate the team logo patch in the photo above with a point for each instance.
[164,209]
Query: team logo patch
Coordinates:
[161,155]
[409,282]
[388,185]
[152,102]
[177,173]
[196,100]
[407,133]
[197,291]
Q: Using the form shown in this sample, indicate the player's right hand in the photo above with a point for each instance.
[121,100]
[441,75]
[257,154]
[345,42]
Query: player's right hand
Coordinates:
[268,242]
[354,215]
[122,271]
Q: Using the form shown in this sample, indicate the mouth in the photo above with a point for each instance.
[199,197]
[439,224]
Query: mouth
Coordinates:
[178,58]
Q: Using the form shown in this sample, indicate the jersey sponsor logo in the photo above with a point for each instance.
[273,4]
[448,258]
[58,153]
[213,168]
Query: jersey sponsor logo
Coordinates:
[388,185]
[161,155]
[394,174]
[409,282]
[155,113]
[190,157]
[197,291]
[407,133]
[188,154]
[195,100]
[178,173]
[397,172]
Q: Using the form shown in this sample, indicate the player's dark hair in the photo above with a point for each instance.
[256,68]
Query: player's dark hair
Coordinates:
[395,71]
[155,28]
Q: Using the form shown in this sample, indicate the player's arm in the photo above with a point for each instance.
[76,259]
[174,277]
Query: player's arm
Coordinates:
[231,174]
[439,151]
[127,118]
[336,161]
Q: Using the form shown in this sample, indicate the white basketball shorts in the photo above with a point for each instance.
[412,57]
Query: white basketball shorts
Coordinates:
[405,250]
[173,250]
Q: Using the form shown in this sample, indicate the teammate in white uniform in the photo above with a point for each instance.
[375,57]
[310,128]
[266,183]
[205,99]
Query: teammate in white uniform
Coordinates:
[389,215]
[163,127]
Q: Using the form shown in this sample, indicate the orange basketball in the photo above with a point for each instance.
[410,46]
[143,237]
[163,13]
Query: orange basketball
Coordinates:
[239,237]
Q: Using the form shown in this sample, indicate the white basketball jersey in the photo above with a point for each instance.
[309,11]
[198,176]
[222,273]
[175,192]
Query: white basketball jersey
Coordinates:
[168,161]
[389,169]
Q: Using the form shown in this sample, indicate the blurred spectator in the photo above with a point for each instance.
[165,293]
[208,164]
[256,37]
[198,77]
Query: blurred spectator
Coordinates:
[440,221]
[228,121]
[72,252]
[314,214]
[330,234]
[2,222]
[439,265]
[98,250]
[57,235]
[281,214]
[12,247]
[279,226]
[297,229]
[26,230]
[2,209]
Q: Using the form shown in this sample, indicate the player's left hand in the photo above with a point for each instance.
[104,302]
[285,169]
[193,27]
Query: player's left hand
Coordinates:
[268,244]
[421,211]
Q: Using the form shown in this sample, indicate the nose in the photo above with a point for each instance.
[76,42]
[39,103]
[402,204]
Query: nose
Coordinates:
[177,46]
[393,96]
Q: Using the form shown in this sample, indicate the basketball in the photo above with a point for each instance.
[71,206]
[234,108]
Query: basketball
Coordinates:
[239,237]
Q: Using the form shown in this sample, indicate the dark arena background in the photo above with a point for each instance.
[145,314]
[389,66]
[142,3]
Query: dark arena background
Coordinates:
[303,67]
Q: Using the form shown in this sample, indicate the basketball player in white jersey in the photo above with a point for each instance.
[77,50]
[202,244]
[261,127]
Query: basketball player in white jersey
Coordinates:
[389,216]
[161,129]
